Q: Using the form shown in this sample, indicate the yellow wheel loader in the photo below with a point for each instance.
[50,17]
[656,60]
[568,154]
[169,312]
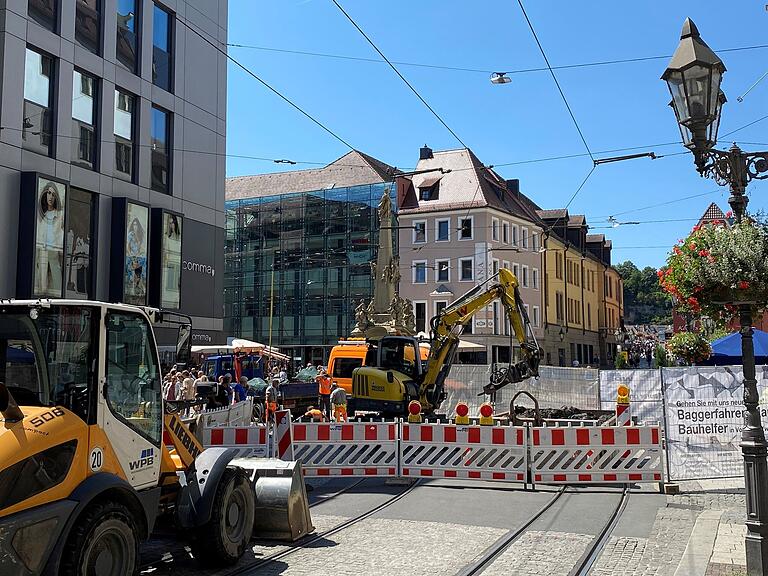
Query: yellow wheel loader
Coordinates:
[85,464]
[394,375]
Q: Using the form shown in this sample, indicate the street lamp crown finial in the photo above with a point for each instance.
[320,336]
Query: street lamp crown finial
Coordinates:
[689,30]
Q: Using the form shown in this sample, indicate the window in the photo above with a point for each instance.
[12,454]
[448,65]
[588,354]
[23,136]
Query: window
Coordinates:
[505,232]
[440,305]
[535,241]
[535,278]
[419,231]
[465,228]
[84,120]
[559,312]
[162,48]
[495,229]
[420,313]
[514,235]
[505,264]
[161,154]
[516,270]
[495,266]
[589,315]
[133,385]
[495,318]
[535,318]
[44,13]
[524,237]
[558,266]
[467,267]
[420,272]
[125,129]
[80,226]
[443,270]
[343,367]
[429,192]
[88,24]
[127,34]
[525,277]
[443,230]
[38,103]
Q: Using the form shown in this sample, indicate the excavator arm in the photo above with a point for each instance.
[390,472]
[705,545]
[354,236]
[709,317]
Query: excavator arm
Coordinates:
[448,326]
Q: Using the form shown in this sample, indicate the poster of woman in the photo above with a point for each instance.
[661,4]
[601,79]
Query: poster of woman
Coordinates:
[171,279]
[135,273]
[49,241]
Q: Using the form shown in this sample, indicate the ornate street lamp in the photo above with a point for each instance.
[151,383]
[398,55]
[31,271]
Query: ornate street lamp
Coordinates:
[693,77]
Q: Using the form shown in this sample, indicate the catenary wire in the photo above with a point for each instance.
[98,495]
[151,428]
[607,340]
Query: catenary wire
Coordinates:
[476,70]
[394,68]
[554,77]
[251,73]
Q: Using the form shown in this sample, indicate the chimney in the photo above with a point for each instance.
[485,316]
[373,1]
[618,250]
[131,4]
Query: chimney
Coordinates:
[514,186]
[425,153]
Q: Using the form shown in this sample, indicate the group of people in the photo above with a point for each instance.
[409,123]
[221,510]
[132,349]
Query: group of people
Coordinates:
[332,400]
[185,385]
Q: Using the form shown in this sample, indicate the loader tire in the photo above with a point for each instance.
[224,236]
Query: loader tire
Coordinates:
[224,538]
[103,542]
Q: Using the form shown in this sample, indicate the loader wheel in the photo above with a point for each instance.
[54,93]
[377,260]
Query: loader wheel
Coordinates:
[223,540]
[103,542]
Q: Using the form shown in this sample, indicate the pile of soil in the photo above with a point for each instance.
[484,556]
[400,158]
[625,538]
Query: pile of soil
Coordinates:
[565,413]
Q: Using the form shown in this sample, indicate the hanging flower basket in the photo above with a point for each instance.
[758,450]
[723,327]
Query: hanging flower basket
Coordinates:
[717,267]
[691,347]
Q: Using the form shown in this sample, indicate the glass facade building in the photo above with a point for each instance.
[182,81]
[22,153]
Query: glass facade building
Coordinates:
[306,257]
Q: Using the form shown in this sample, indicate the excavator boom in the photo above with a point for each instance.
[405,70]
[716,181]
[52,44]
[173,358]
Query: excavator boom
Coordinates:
[448,326]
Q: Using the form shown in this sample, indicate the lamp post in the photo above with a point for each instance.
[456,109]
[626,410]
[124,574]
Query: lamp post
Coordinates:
[693,76]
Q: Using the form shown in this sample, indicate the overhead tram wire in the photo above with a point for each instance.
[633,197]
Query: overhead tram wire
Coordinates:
[554,77]
[251,73]
[476,70]
[391,65]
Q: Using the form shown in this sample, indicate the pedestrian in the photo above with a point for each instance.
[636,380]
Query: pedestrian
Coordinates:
[283,375]
[324,393]
[271,395]
[315,414]
[339,402]
[224,393]
[239,389]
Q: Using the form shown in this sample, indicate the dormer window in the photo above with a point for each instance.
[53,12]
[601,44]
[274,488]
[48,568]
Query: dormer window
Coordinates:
[429,188]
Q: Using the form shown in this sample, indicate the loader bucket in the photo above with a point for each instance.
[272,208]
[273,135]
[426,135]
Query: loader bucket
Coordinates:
[282,506]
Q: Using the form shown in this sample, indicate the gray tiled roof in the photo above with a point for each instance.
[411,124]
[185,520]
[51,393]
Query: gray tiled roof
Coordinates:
[550,214]
[469,184]
[595,237]
[352,169]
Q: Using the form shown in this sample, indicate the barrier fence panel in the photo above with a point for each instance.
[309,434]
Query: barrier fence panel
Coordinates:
[254,437]
[704,418]
[609,454]
[451,451]
[644,392]
[343,449]
[554,388]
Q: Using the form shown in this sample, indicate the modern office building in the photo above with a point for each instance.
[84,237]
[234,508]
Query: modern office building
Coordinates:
[298,252]
[112,141]
[459,223]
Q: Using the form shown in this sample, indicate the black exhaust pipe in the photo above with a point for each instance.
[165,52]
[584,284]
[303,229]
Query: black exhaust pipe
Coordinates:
[8,407]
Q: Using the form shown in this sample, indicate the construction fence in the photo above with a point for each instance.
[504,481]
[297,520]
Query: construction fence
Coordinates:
[700,408]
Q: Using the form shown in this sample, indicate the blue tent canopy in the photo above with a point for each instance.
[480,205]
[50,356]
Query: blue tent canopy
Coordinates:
[728,348]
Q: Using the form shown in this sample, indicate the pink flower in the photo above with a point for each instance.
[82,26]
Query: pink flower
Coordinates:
[743,285]
[729,214]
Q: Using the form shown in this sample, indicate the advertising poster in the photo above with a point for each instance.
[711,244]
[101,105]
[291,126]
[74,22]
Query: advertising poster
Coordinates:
[705,417]
[49,240]
[79,229]
[135,270]
[170,289]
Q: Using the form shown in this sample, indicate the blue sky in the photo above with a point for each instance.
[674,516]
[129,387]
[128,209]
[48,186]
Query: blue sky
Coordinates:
[616,106]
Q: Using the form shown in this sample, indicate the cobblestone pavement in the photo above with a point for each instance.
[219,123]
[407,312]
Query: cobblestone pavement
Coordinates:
[540,554]
[657,555]
[726,570]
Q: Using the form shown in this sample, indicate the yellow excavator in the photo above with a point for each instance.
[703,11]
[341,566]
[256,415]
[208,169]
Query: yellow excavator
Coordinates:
[91,458]
[393,374]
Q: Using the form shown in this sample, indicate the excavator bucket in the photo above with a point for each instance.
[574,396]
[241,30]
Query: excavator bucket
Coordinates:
[282,506]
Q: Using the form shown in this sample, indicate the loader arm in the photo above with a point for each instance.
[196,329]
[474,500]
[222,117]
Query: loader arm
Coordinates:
[448,326]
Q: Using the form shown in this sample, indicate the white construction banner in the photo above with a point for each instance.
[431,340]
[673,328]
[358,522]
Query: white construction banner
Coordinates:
[645,402]
[705,417]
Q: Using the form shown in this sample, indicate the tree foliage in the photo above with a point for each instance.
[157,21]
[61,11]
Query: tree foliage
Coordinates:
[644,300]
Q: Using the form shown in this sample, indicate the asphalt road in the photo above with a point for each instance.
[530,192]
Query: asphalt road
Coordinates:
[437,528]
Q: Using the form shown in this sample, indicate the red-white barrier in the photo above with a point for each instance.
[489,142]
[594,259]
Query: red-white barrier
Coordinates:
[339,449]
[255,438]
[615,454]
[451,451]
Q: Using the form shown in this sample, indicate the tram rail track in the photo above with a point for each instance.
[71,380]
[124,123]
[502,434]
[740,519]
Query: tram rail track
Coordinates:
[584,563]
